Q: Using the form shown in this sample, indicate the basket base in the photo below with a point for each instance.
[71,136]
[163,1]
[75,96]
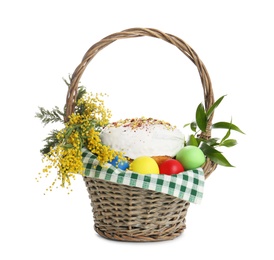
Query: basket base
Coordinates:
[127,213]
[141,238]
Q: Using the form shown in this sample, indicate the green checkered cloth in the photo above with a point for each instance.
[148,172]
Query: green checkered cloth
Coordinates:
[188,185]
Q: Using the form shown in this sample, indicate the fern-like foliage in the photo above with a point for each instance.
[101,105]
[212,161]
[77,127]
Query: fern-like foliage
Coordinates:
[50,116]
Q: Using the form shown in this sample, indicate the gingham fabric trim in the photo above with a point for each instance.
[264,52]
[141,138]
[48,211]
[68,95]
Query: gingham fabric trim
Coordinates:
[188,185]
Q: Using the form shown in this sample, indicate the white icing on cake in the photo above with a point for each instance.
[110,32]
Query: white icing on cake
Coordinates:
[143,137]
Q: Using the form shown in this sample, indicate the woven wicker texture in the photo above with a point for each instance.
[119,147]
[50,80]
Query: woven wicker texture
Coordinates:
[128,213]
[133,214]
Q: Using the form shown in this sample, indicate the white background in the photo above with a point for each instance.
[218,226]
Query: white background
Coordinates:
[43,41]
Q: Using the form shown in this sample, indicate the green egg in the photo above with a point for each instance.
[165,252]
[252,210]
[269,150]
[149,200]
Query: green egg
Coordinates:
[191,157]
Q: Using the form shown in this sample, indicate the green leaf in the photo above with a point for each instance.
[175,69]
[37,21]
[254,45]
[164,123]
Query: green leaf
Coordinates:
[51,141]
[192,141]
[193,126]
[214,106]
[226,125]
[201,118]
[49,116]
[229,143]
[207,149]
[215,155]
[81,92]
[226,136]
[212,141]
[219,159]
[68,146]
[68,133]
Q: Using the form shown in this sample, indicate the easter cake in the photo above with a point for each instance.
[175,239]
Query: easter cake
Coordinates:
[143,137]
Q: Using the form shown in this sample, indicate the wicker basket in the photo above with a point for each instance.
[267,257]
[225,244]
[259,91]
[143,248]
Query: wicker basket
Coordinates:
[128,213]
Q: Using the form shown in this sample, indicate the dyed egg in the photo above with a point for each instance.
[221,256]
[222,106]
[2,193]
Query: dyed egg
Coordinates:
[122,164]
[144,165]
[171,166]
[191,157]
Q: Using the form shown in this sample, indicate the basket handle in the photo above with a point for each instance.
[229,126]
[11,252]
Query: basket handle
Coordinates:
[139,32]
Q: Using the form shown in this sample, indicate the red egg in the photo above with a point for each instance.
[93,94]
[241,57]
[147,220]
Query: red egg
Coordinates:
[171,166]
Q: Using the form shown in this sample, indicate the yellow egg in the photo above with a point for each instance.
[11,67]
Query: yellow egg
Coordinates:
[145,165]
